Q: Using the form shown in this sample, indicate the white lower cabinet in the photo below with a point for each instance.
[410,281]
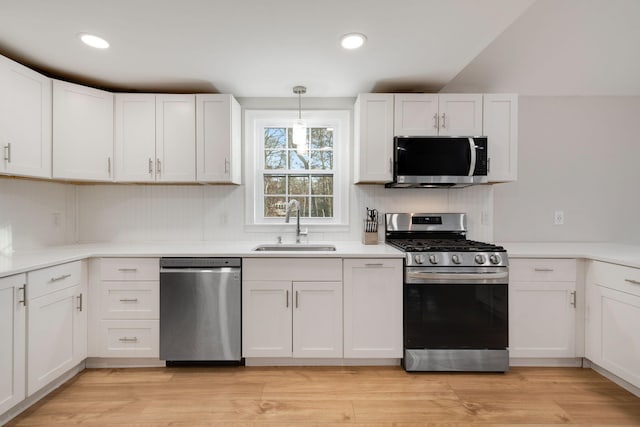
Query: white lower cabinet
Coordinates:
[612,319]
[12,337]
[57,323]
[292,308]
[542,308]
[372,308]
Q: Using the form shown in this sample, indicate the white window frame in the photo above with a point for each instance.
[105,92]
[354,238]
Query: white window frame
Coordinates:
[255,122]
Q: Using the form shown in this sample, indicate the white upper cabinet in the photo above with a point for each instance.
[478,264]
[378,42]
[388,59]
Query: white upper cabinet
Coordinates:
[218,133]
[25,121]
[373,138]
[417,114]
[82,133]
[501,128]
[154,138]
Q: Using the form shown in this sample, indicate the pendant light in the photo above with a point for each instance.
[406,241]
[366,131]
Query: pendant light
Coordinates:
[299,126]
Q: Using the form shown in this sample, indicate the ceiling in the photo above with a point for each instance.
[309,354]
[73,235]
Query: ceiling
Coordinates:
[255,48]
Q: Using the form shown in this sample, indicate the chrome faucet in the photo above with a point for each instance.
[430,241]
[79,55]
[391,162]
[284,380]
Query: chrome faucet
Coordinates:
[295,204]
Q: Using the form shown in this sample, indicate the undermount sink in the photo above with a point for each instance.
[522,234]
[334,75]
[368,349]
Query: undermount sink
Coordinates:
[296,247]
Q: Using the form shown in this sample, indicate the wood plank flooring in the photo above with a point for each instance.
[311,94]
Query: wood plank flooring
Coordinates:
[325,396]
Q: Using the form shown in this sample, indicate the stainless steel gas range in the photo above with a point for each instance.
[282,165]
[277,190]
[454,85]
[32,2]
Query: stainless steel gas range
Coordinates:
[455,294]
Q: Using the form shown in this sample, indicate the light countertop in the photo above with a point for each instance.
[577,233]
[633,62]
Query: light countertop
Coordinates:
[22,261]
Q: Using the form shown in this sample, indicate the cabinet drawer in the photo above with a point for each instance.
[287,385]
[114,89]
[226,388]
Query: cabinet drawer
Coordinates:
[51,279]
[299,269]
[618,277]
[130,300]
[130,269]
[542,270]
[129,338]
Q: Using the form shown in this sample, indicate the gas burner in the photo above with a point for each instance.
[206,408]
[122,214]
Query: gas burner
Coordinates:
[442,245]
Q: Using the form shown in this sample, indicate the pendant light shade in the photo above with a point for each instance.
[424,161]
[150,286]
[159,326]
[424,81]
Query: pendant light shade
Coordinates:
[299,126]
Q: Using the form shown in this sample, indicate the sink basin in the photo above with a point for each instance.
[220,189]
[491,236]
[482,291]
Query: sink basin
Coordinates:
[295,247]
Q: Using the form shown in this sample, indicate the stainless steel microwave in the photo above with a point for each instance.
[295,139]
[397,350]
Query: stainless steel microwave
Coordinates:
[439,161]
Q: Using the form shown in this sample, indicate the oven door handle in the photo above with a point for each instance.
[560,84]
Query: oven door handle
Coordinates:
[458,276]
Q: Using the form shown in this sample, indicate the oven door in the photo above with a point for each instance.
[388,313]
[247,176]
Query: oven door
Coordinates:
[456,308]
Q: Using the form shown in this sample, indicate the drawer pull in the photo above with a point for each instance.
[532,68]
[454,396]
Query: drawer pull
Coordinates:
[126,339]
[543,269]
[127,269]
[57,279]
[379,264]
[129,300]
[635,282]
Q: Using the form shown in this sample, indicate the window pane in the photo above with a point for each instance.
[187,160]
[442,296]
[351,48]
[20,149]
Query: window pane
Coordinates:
[322,207]
[275,184]
[321,138]
[322,184]
[298,161]
[275,159]
[274,206]
[322,160]
[275,138]
[299,184]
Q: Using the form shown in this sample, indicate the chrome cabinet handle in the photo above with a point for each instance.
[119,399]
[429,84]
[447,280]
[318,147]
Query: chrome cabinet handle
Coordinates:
[158,164]
[444,121]
[286,299]
[129,300]
[573,299]
[635,282]
[127,269]
[57,279]
[109,165]
[390,164]
[488,164]
[379,264]
[23,301]
[297,302]
[435,121]
[542,270]
[226,165]
[150,166]
[79,297]
[126,339]
[7,152]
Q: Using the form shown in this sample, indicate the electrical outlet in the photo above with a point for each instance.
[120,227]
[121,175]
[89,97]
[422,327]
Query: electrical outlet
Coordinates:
[558,218]
[56,219]
[484,218]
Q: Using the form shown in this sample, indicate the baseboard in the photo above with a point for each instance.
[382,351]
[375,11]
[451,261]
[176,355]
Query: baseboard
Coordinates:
[123,362]
[616,379]
[31,400]
[559,362]
[288,361]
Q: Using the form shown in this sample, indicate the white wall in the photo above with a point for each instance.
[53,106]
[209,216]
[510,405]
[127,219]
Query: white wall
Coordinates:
[27,211]
[579,155]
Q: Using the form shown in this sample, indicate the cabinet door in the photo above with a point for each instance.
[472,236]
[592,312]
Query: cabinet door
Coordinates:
[500,126]
[135,137]
[416,114]
[460,114]
[51,337]
[25,121]
[372,308]
[266,318]
[317,319]
[218,139]
[373,137]
[542,319]
[175,138]
[82,133]
[12,337]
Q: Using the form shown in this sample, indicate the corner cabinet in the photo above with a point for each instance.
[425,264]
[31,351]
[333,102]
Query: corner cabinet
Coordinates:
[82,133]
[218,139]
[154,138]
[373,138]
[542,308]
[372,308]
[12,337]
[292,308]
[500,125]
[612,319]
[25,121]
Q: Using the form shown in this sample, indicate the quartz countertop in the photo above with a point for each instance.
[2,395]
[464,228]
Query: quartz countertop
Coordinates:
[22,261]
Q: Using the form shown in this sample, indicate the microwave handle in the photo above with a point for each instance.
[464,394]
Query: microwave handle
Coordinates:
[472,162]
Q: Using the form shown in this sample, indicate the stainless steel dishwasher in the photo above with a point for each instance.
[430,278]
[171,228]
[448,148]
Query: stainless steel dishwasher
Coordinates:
[200,310]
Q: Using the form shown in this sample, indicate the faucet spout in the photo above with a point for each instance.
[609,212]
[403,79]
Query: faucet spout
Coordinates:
[294,204]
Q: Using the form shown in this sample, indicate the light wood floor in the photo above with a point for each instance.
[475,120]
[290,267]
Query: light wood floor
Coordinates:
[322,396]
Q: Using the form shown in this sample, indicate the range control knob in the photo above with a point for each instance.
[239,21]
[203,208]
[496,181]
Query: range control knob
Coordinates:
[433,259]
[495,259]
[455,259]
[480,259]
[419,259]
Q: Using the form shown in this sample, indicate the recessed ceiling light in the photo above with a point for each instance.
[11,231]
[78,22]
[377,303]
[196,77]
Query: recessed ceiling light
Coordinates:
[94,41]
[353,40]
